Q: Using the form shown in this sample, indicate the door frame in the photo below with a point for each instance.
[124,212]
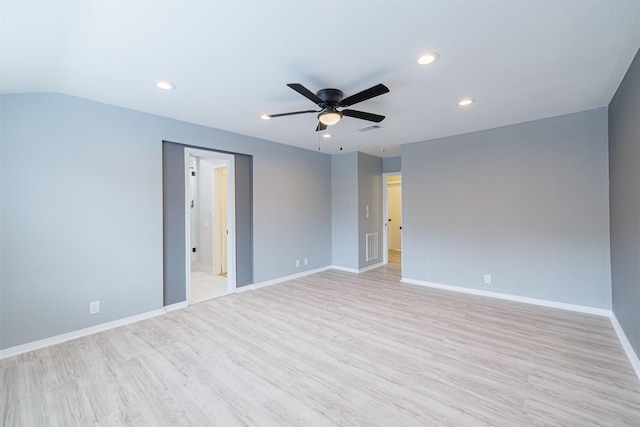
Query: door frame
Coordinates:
[229,160]
[385,215]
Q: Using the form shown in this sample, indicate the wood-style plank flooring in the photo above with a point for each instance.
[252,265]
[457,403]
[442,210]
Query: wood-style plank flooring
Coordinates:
[205,286]
[331,349]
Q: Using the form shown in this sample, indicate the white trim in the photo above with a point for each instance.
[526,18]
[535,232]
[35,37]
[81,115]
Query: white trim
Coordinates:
[58,339]
[177,306]
[290,277]
[231,224]
[187,223]
[371,267]
[244,288]
[355,270]
[385,216]
[626,345]
[527,300]
[347,269]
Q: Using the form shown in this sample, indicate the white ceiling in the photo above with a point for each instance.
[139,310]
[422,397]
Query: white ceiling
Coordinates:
[231,61]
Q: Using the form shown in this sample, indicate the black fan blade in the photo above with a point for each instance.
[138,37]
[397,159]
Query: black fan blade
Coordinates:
[291,114]
[305,92]
[321,126]
[362,115]
[364,95]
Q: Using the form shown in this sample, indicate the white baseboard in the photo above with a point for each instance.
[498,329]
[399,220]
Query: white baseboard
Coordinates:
[244,288]
[58,339]
[527,300]
[626,345]
[290,277]
[355,270]
[176,306]
[371,267]
[347,269]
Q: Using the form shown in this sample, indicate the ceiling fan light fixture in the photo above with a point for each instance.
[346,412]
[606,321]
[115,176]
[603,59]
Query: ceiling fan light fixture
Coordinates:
[427,58]
[330,117]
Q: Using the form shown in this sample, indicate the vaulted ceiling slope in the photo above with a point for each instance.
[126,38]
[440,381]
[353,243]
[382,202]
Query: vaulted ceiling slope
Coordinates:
[230,61]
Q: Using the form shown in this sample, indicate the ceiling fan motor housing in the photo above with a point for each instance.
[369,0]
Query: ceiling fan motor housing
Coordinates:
[331,97]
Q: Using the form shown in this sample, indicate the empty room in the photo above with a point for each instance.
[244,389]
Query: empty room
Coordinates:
[271,213]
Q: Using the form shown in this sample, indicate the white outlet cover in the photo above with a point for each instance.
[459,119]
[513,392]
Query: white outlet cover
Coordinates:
[94,307]
[487,279]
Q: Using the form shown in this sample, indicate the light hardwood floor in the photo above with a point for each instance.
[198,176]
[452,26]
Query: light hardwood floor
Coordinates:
[329,349]
[206,286]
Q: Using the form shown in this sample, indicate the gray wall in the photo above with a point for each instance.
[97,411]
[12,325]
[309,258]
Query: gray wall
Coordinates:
[526,203]
[84,222]
[344,210]
[392,165]
[369,193]
[624,192]
[292,211]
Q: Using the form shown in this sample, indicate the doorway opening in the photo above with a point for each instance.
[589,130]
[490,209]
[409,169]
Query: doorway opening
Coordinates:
[392,201]
[210,228]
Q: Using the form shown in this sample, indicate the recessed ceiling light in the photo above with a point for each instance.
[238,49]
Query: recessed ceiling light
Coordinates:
[326,135]
[165,85]
[427,58]
[265,117]
[466,101]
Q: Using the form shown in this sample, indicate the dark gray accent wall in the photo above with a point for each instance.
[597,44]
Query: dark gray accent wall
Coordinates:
[244,219]
[392,165]
[527,203]
[82,212]
[369,193]
[344,210]
[624,193]
[173,224]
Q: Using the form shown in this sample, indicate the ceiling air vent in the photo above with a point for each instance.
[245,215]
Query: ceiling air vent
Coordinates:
[370,128]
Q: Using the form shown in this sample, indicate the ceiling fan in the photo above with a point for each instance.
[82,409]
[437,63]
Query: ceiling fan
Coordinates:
[329,100]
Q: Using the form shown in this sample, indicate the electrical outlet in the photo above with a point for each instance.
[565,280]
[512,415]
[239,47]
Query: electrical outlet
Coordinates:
[297,263]
[94,307]
[487,279]
[306,261]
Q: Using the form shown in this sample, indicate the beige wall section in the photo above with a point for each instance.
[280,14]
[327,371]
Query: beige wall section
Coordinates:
[394,201]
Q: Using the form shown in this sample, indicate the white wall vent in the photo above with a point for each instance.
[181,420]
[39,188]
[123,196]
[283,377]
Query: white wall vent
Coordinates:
[372,246]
